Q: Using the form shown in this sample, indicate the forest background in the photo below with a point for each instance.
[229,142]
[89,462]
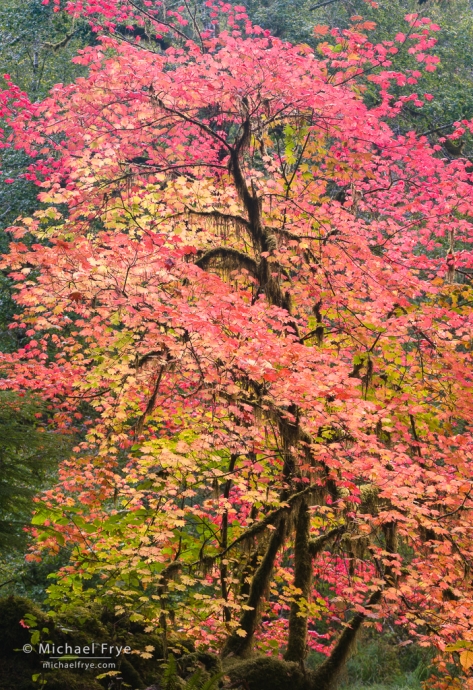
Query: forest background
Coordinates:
[37,45]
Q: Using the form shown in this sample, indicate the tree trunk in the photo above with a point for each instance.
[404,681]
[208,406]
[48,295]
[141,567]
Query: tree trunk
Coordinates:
[241,645]
[297,641]
[326,674]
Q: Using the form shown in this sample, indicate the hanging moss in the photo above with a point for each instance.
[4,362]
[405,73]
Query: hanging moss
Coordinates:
[369,495]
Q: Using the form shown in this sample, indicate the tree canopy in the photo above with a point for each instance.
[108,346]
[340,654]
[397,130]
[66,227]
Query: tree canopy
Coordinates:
[255,296]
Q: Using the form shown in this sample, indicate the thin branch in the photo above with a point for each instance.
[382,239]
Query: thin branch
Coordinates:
[437,129]
[151,403]
[195,122]
[62,43]
[460,507]
[321,4]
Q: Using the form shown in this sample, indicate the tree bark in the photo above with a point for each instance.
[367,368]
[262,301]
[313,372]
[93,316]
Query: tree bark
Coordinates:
[297,640]
[327,673]
[241,645]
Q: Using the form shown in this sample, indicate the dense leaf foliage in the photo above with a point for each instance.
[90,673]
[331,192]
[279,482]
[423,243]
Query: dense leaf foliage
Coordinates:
[451,83]
[256,296]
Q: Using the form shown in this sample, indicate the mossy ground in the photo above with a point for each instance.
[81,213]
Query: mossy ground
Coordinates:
[378,662]
[18,667]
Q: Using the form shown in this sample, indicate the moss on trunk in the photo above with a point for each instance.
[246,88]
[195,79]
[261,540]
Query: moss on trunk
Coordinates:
[327,674]
[270,673]
[297,640]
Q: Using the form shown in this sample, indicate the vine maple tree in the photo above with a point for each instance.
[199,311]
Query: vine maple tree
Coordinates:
[256,299]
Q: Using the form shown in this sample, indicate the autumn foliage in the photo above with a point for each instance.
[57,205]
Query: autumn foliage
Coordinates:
[252,299]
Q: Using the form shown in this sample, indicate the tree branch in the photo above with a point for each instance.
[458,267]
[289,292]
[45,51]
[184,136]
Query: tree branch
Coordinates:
[241,646]
[231,258]
[272,517]
[316,545]
[326,674]
[321,4]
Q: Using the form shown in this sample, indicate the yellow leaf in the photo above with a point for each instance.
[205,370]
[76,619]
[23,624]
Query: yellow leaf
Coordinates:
[466,659]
